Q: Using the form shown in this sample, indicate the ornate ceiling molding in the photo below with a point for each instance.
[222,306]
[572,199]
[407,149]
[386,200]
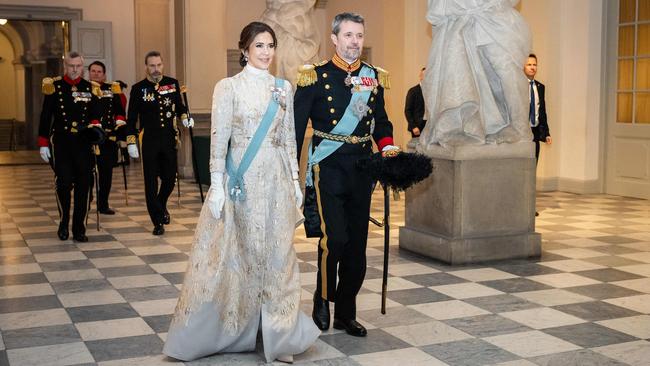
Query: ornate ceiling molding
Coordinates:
[24,12]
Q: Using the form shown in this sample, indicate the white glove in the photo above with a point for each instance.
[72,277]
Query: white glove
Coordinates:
[299,198]
[133,151]
[45,153]
[188,122]
[120,122]
[216,195]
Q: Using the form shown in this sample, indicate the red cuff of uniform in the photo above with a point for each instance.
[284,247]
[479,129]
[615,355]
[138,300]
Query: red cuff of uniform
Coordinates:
[384,142]
[120,118]
[95,122]
[43,141]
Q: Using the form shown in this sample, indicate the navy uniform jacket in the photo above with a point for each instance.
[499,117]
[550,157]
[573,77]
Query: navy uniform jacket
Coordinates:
[156,106]
[111,109]
[325,99]
[541,131]
[68,106]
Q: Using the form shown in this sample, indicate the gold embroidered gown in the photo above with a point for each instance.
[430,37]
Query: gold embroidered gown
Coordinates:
[242,272]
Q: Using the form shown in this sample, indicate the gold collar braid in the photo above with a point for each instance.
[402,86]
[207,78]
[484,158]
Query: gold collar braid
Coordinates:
[343,65]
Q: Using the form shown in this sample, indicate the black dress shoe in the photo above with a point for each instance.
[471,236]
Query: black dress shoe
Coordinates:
[107,211]
[63,232]
[82,238]
[166,218]
[351,327]
[321,313]
[158,229]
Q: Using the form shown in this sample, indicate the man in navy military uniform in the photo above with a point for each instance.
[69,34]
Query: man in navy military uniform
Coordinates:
[344,98]
[156,101]
[69,107]
[112,119]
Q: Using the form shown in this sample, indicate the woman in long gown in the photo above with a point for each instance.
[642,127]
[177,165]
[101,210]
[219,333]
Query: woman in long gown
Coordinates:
[242,273]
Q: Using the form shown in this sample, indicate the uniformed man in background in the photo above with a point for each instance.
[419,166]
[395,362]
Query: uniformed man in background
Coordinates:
[156,102]
[112,118]
[69,109]
[344,98]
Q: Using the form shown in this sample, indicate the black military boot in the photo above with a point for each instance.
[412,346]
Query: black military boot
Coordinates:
[63,231]
[158,229]
[351,327]
[321,312]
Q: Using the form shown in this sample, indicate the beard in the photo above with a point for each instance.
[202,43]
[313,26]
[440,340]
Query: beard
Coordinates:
[156,76]
[351,53]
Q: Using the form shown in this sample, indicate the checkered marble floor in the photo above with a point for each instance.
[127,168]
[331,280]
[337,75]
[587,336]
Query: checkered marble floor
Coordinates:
[586,301]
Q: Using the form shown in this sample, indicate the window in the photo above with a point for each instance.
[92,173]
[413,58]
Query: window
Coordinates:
[633,62]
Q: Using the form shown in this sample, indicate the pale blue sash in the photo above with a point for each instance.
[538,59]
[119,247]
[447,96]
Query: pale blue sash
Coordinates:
[345,127]
[236,176]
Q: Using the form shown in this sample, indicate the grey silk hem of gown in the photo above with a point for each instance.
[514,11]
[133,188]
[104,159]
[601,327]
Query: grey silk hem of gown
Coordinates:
[203,335]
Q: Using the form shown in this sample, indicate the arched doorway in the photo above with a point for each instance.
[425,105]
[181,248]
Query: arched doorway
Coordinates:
[12,110]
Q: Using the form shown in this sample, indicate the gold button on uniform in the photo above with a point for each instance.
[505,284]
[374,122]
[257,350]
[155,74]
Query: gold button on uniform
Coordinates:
[329,99]
[370,111]
[368,123]
[332,110]
[327,86]
[74,124]
[324,74]
[372,99]
[334,122]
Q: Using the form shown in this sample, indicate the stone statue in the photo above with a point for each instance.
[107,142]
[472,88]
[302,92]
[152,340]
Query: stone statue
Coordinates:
[474,87]
[298,38]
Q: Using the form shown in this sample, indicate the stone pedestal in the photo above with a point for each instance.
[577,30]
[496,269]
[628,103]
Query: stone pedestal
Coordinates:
[478,205]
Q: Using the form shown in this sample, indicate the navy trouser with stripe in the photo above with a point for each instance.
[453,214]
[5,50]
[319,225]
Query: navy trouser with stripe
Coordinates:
[344,196]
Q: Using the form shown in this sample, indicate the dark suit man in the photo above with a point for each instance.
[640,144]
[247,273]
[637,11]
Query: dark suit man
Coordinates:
[537,110]
[414,108]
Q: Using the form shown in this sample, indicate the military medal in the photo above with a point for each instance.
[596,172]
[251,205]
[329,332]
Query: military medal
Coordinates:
[363,83]
[168,114]
[348,79]
[167,102]
[74,88]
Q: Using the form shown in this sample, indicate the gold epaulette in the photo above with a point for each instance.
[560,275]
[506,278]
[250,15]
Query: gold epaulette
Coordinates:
[321,63]
[116,88]
[183,89]
[47,87]
[96,89]
[306,75]
[383,77]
